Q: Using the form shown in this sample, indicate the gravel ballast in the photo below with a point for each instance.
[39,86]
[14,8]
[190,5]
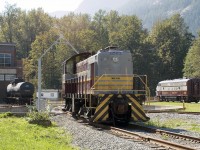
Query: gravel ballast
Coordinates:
[87,137]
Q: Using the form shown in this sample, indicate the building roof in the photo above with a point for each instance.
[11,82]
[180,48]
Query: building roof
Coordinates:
[7,46]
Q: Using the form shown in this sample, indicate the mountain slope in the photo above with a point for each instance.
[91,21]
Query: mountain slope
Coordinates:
[149,10]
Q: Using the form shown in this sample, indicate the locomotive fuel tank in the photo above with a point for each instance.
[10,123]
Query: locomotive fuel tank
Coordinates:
[20,89]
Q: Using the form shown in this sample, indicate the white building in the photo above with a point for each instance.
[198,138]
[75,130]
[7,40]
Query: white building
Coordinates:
[50,94]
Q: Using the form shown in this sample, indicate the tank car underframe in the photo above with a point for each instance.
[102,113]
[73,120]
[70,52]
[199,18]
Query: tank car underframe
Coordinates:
[19,100]
[107,107]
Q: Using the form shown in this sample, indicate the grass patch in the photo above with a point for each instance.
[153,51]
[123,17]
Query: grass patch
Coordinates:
[6,115]
[194,127]
[174,124]
[18,134]
[190,107]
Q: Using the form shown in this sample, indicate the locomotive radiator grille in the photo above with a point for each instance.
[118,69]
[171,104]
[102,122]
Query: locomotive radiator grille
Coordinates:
[136,109]
[101,113]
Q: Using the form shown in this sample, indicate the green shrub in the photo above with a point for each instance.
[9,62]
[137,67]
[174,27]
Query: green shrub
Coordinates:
[40,118]
[6,115]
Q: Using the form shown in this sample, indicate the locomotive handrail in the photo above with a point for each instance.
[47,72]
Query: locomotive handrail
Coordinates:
[147,90]
[146,87]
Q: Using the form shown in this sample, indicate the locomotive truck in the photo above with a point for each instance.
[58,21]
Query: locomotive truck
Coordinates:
[103,87]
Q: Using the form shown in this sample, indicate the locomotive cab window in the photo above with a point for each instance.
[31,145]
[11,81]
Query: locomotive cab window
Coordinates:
[69,68]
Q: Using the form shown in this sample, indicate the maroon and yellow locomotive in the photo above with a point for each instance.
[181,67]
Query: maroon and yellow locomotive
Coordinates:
[103,86]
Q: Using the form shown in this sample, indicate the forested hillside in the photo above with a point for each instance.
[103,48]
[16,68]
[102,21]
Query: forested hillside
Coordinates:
[149,10]
[158,53]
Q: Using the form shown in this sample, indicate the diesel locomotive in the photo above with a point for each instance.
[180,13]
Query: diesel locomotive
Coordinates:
[19,92]
[103,87]
[179,90]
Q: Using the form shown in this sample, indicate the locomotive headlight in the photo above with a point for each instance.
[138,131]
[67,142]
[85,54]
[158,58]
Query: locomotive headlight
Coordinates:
[115,59]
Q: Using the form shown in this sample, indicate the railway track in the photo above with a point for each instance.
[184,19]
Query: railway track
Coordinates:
[160,142]
[157,138]
[181,139]
[155,143]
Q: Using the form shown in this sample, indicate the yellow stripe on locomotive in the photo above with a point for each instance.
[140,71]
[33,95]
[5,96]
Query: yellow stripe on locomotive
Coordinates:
[113,82]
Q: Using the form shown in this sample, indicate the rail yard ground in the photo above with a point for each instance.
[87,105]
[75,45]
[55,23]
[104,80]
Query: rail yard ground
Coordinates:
[29,136]
[89,138]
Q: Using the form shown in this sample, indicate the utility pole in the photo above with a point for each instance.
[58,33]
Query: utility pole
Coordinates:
[40,65]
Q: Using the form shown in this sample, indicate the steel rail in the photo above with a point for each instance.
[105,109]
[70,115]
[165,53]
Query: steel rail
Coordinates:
[137,136]
[154,140]
[164,132]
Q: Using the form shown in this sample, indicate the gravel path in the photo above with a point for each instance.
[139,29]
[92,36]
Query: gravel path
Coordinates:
[90,138]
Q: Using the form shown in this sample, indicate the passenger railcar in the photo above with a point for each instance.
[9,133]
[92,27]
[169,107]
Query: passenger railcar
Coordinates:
[179,90]
[20,92]
[103,86]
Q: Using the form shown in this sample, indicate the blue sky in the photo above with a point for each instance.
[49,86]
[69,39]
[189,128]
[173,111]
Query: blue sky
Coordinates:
[47,5]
